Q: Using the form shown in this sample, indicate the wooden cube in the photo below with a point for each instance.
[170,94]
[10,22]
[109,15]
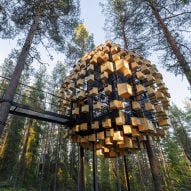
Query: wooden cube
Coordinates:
[76,111]
[134,66]
[115,49]
[116,104]
[121,65]
[108,89]
[101,135]
[79,83]
[116,57]
[140,89]
[107,67]
[82,73]
[106,123]
[99,152]
[149,106]
[140,75]
[127,129]
[90,78]
[93,60]
[164,122]
[77,128]
[117,136]
[150,79]
[136,105]
[135,121]
[90,68]
[81,94]
[145,69]
[104,76]
[85,109]
[150,91]
[97,106]
[135,132]
[146,125]
[92,138]
[95,125]
[124,90]
[128,143]
[93,92]
[83,127]
[109,132]
[108,141]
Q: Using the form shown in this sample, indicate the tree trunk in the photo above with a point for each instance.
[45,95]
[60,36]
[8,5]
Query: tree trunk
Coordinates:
[11,89]
[171,41]
[126,173]
[183,137]
[20,173]
[154,166]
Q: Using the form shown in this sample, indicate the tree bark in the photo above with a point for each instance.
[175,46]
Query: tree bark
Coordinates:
[154,166]
[171,41]
[11,89]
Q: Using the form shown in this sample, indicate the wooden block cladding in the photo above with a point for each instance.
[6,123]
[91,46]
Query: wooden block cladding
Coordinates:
[116,57]
[83,127]
[90,68]
[80,82]
[95,125]
[82,73]
[149,106]
[163,122]
[85,109]
[140,89]
[150,79]
[101,135]
[93,92]
[99,152]
[115,49]
[108,141]
[76,111]
[140,75]
[108,89]
[117,136]
[97,106]
[116,104]
[109,132]
[124,90]
[145,69]
[81,94]
[136,105]
[121,65]
[92,138]
[150,91]
[135,121]
[106,123]
[104,76]
[145,125]
[90,78]
[135,132]
[127,129]
[107,67]
[134,66]
[127,143]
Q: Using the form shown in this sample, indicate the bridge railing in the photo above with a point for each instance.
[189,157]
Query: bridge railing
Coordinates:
[39,100]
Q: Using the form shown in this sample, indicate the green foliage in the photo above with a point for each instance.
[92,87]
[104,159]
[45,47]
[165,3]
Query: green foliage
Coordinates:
[81,43]
[177,164]
[135,21]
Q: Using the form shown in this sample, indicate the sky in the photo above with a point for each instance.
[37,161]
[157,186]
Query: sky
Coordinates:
[94,21]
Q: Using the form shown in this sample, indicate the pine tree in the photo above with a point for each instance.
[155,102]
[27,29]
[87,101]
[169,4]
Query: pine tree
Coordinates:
[154,25]
[50,20]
